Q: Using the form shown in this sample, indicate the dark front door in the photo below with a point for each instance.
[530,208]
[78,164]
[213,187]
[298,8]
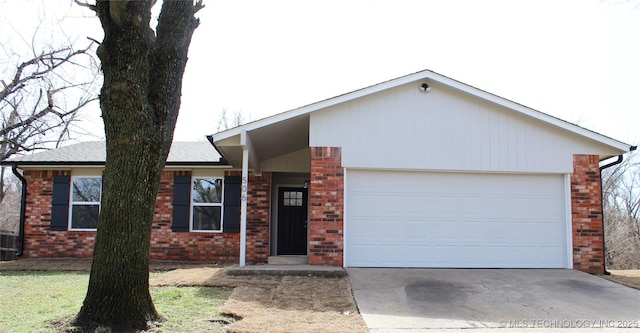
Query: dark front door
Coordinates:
[292,220]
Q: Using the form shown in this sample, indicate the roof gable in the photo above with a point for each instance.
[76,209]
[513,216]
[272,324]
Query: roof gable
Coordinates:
[418,78]
[257,134]
[446,129]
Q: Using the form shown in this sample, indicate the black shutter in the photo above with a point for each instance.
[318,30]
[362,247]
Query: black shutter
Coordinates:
[60,203]
[181,203]
[231,219]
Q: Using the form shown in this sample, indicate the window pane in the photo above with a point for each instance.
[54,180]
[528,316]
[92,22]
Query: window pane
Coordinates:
[206,217]
[86,189]
[292,198]
[84,216]
[207,190]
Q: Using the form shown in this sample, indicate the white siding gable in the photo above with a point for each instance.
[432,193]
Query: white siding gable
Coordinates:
[444,129]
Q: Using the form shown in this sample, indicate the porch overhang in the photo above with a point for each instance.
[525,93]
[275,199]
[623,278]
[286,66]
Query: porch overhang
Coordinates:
[264,142]
[248,147]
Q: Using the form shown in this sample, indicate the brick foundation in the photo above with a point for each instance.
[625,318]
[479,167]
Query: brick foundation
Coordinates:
[586,215]
[326,207]
[41,242]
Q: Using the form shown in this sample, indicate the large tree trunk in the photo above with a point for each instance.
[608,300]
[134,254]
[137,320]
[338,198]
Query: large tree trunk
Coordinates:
[140,99]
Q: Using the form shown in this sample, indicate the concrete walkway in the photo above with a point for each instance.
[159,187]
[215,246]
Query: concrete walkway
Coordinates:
[432,300]
[290,270]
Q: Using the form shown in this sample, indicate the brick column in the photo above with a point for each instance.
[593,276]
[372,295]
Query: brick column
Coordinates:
[258,216]
[326,207]
[586,213]
[258,207]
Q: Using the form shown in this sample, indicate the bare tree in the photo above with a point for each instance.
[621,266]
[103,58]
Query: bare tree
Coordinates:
[230,120]
[39,101]
[42,90]
[45,80]
[621,201]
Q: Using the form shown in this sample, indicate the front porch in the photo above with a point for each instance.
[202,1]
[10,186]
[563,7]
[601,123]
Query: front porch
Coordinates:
[296,217]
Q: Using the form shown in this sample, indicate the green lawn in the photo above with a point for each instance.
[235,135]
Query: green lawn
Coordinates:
[30,301]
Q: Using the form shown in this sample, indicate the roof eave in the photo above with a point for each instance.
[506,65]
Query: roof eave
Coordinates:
[67,164]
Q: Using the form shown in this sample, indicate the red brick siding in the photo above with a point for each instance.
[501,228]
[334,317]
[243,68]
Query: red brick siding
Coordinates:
[326,207]
[165,244]
[586,213]
[39,241]
[188,246]
[258,217]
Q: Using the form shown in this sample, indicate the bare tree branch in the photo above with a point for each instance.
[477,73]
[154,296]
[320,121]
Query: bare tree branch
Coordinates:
[621,202]
[86,4]
[34,99]
[235,119]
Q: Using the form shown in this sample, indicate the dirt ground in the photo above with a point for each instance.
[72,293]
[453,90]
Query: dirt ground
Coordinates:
[266,303]
[630,278]
[210,274]
[262,303]
[277,303]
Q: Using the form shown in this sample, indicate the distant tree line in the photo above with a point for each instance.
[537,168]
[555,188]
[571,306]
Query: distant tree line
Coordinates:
[621,201]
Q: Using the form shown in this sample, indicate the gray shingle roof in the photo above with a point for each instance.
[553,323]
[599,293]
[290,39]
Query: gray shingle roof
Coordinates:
[93,152]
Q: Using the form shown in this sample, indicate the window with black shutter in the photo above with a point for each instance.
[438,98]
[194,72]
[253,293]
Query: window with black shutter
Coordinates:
[232,189]
[181,203]
[60,203]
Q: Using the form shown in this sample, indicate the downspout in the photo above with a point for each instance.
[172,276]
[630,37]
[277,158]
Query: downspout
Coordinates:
[23,205]
[604,246]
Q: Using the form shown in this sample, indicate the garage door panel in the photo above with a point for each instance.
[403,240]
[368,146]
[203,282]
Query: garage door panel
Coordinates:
[420,219]
[438,230]
[495,206]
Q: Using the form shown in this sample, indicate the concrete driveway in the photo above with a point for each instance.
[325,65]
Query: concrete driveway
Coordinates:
[418,300]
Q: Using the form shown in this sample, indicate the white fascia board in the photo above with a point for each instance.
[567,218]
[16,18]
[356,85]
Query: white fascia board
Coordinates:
[55,167]
[191,167]
[74,166]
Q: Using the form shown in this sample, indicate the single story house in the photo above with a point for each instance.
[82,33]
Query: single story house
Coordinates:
[418,171]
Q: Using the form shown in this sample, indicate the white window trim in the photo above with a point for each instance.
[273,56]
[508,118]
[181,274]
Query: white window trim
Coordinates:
[81,203]
[208,204]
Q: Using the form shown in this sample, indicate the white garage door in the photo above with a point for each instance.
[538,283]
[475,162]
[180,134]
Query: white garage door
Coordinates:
[428,219]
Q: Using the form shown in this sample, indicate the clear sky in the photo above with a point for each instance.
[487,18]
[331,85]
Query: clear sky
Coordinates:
[578,60]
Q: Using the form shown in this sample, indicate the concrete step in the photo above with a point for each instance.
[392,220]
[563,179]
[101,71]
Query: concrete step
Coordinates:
[288,260]
[288,270]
